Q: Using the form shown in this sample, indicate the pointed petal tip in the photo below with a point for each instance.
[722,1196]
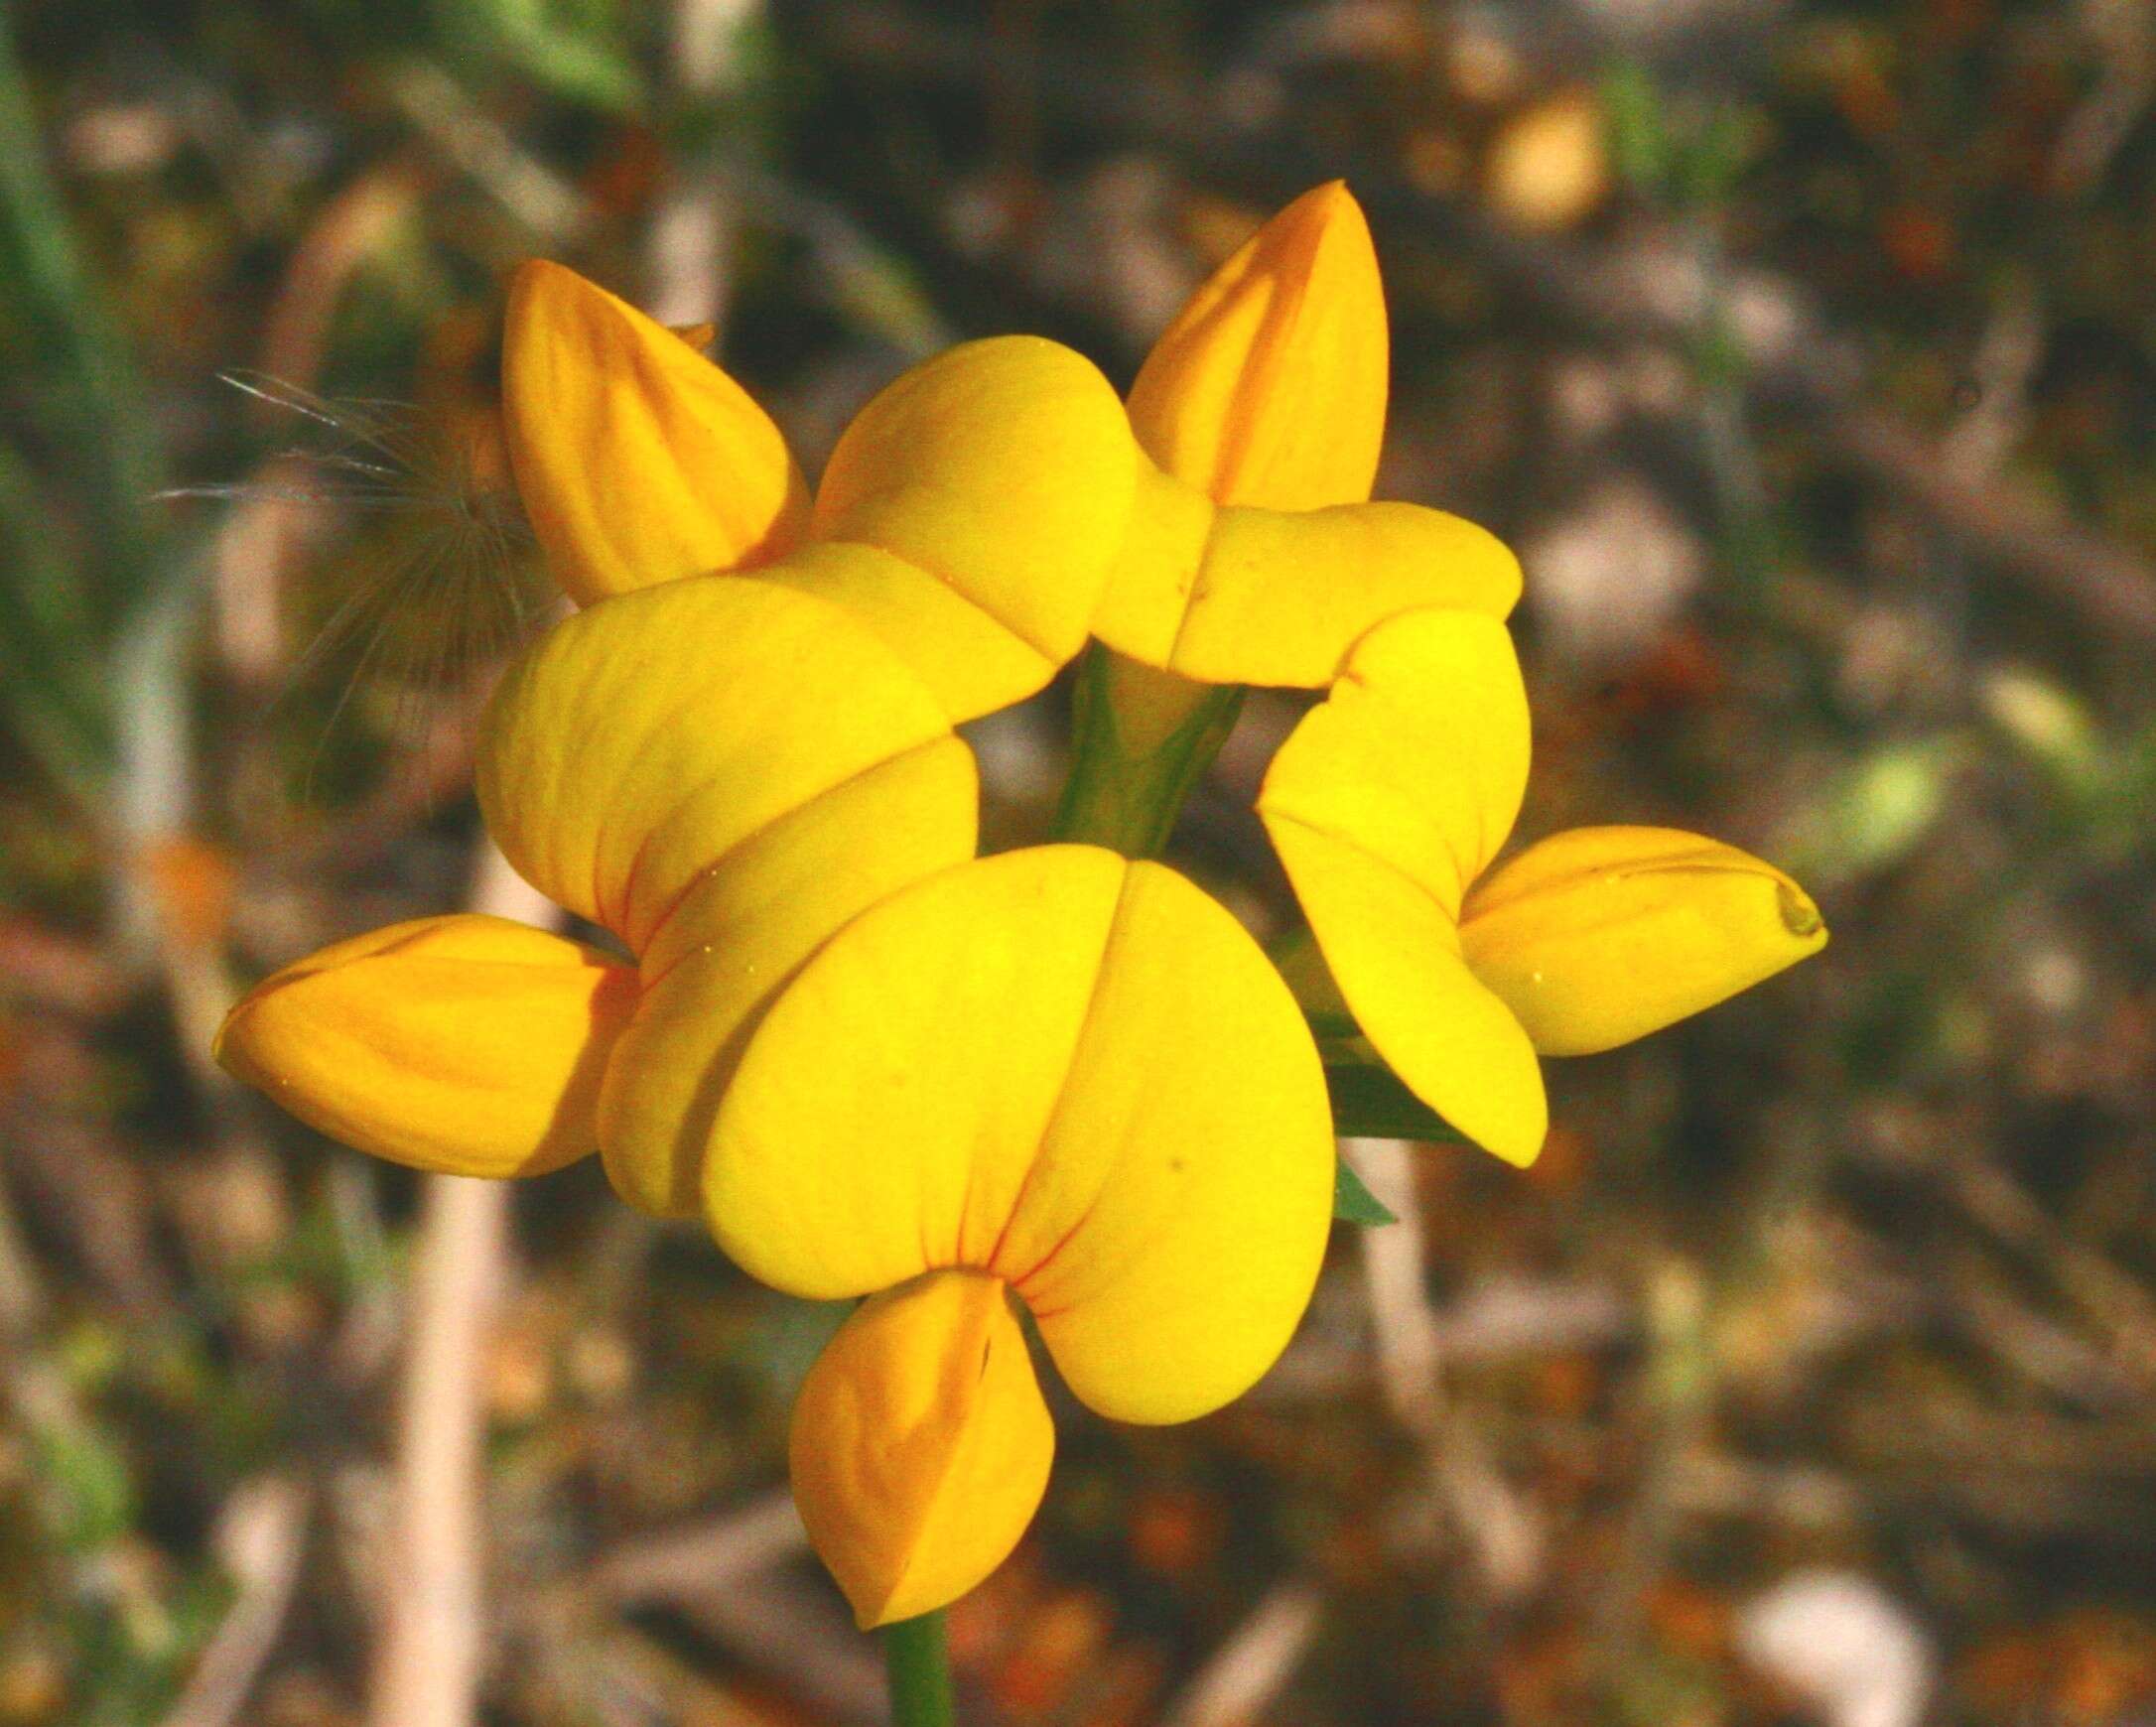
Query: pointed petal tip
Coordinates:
[1270,385]
[639,460]
[1800,916]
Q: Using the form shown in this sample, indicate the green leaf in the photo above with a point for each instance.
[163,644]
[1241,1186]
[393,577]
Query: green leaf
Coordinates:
[1369,1102]
[1354,1203]
[1639,132]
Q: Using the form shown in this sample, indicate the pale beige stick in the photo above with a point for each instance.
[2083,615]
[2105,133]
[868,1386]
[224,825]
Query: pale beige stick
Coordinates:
[456,128]
[260,1539]
[1488,1515]
[692,228]
[430,1647]
[711,1553]
[1250,1669]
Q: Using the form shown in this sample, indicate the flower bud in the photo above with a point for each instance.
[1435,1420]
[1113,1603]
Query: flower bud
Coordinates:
[1600,935]
[637,459]
[469,1045]
[1270,386]
[920,1444]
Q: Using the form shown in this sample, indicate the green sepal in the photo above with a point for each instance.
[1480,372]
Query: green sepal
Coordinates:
[1354,1203]
[1369,1102]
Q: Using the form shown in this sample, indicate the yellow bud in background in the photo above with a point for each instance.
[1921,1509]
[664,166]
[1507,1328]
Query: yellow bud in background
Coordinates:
[920,1444]
[1548,167]
[1270,386]
[1600,935]
[637,459]
[469,1045]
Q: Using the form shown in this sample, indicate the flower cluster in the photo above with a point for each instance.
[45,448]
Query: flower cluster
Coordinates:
[1057,1083]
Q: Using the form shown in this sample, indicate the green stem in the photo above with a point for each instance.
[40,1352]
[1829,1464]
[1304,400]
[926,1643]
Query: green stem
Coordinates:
[1139,740]
[917,1663]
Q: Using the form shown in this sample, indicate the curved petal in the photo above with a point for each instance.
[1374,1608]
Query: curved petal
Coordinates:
[1419,754]
[973,663]
[740,935]
[1385,804]
[1176,1216]
[635,744]
[1003,470]
[1076,1072]
[1268,388]
[920,1445]
[637,459]
[1396,955]
[1600,935]
[1263,596]
[467,1045]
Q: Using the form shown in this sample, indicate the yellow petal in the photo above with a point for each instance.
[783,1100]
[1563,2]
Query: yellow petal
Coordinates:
[1268,388]
[920,1445]
[1385,804]
[1076,1072]
[1263,596]
[637,743]
[469,1045]
[1396,955]
[1419,754]
[1600,935]
[973,663]
[743,931]
[637,459]
[1002,469]
[1174,1219]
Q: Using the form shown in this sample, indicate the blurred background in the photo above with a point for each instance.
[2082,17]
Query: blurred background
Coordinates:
[1806,352]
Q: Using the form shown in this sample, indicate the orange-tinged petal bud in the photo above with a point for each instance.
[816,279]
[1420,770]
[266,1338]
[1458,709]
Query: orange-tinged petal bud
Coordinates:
[467,1045]
[1268,388]
[1600,935]
[920,1445]
[637,459]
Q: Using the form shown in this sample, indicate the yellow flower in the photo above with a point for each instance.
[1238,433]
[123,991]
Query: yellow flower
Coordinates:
[1253,557]
[1388,804]
[982,494]
[1056,1083]
[1053,1077]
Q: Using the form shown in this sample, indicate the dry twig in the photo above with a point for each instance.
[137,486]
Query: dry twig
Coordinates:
[429,1656]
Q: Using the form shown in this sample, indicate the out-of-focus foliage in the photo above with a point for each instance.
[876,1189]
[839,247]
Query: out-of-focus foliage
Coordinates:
[1804,350]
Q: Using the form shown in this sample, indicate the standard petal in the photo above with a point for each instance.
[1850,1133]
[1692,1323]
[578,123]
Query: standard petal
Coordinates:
[920,1445]
[743,931]
[1003,470]
[637,459]
[1268,388]
[1074,1071]
[1265,596]
[1385,804]
[469,1045]
[635,744]
[1599,935]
